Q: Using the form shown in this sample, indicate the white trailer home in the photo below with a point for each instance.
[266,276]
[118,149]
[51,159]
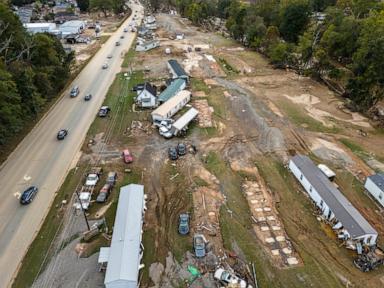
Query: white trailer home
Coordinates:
[351,225]
[146,46]
[181,124]
[374,184]
[171,107]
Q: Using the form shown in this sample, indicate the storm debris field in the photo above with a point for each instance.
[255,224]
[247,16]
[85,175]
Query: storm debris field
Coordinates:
[257,222]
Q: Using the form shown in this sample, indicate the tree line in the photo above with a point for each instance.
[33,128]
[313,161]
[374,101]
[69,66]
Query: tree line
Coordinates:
[338,41]
[33,69]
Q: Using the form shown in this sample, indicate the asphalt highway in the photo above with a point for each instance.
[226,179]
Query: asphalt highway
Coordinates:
[43,161]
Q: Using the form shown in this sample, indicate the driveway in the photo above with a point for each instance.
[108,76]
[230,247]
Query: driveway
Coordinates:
[43,161]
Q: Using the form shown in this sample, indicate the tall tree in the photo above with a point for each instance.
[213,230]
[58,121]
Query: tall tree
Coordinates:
[294,18]
[83,5]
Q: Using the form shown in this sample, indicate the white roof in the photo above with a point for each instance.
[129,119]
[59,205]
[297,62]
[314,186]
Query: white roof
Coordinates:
[84,195]
[39,25]
[73,23]
[326,170]
[164,108]
[103,255]
[185,119]
[124,253]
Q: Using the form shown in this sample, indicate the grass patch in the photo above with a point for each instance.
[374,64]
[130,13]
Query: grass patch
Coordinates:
[356,149]
[120,98]
[200,182]
[149,255]
[227,67]
[128,58]
[40,246]
[199,85]
[300,118]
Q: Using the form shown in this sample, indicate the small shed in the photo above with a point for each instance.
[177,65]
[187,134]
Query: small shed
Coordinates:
[171,107]
[182,123]
[146,98]
[172,90]
[374,184]
[176,70]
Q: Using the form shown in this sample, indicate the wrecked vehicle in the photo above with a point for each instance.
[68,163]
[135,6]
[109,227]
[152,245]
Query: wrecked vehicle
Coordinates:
[199,245]
[227,278]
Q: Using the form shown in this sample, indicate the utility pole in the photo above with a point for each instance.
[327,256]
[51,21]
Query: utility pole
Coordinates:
[82,209]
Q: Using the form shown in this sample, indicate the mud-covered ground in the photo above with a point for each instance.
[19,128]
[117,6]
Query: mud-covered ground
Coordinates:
[237,188]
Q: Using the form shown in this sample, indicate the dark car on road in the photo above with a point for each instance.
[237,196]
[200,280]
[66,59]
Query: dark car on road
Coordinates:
[28,195]
[172,153]
[181,149]
[117,43]
[62,134]
[183,224]
[75,91]
[88,97]
[104,193]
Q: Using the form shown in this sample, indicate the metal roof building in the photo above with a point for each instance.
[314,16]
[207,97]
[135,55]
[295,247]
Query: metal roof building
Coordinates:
[125,253]
[172,106]
[172,89]
[331,201]
[375,186]
[184,120]
[176,70]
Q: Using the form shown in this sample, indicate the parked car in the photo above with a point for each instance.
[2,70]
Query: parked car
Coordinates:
[165,132]
[104,110]
[109,56]
[111,178]
[199,245]
[117,43]
[105,66]
[28,195]
[104,193]
[92,179]
[138,87]
[183,224]
[87,97]
[122,37]
[75,91]
[181,149]
[172,153]
[62,134]
[227,278]
[127,157]
[125,30]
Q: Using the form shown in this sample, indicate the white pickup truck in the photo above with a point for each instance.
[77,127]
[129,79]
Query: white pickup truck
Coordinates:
[92,179]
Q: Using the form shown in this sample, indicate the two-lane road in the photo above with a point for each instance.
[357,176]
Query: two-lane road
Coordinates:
[43,161]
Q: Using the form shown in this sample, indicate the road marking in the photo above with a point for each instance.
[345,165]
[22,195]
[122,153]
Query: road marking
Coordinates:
[27,178]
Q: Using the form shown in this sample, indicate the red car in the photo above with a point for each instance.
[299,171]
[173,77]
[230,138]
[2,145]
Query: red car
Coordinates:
[127,157]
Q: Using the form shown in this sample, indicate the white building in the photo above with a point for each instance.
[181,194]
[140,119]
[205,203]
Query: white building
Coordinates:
[146,98]
[72,27]
[148,45]
[171,107]
[124,255]
[332,203]
[375,186]
[181,124]
[40,27]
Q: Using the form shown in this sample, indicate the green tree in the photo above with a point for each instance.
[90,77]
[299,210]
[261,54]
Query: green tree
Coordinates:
[101,5]
[83,5]
[295,17]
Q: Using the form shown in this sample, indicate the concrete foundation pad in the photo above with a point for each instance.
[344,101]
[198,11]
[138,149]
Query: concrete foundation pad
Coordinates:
[276,228]
[270,240]
[280,238]
[264,228]
[271,218]
[287,251]
[292,261]
[275,252]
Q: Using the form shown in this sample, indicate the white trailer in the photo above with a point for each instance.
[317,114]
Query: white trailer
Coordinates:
[180,125]
[171,107]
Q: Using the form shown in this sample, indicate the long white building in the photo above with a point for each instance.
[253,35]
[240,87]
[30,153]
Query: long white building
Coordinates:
[125,253]
[333,204]
[375,186]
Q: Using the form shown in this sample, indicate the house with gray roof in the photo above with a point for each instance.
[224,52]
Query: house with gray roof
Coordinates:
[374,184]
[334,206]
[176,70]
[125,253]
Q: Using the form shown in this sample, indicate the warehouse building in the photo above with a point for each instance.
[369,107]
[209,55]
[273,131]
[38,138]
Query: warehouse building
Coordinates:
[125,253]
[346,220]
[374,184]
[171,107]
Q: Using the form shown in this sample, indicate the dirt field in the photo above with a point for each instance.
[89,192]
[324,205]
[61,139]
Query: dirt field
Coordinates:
[236,188]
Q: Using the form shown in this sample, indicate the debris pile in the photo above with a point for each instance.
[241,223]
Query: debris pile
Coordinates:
[138,128]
